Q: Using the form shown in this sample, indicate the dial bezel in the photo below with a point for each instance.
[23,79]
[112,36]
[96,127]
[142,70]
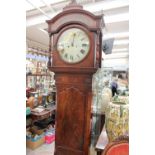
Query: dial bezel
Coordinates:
[70,27]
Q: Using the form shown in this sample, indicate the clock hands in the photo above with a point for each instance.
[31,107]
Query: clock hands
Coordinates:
[74,34]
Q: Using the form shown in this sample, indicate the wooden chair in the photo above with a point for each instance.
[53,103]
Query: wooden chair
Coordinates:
[118,147]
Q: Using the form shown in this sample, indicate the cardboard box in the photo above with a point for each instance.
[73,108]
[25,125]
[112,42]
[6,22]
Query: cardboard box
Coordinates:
[33,144]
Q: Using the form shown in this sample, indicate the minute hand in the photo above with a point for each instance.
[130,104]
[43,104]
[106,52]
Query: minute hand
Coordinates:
[73,39]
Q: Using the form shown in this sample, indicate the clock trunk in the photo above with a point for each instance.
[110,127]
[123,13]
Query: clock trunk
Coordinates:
[74,98]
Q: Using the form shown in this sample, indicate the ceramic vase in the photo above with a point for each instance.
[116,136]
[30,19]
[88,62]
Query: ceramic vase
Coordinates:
[117,120]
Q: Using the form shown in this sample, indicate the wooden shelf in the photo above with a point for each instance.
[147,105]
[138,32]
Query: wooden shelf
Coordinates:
[37,52]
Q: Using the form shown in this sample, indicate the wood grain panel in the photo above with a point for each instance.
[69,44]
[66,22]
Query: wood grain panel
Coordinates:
[70,113]
[67,151]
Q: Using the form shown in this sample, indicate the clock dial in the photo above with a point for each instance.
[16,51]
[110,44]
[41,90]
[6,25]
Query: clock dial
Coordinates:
[73,45]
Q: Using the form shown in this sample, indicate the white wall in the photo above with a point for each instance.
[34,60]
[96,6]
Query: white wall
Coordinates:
[116,64]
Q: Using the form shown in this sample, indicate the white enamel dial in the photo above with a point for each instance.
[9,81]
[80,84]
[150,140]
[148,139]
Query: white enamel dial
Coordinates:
[73,45]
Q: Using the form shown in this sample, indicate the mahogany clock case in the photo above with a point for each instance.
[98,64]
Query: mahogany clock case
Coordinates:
[74,81]
[75,16]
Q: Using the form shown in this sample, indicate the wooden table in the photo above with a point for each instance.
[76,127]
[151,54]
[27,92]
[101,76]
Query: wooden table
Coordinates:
[44,114]
[102,142]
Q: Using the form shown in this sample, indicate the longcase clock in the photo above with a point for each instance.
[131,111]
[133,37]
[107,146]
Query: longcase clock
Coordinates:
[75,55]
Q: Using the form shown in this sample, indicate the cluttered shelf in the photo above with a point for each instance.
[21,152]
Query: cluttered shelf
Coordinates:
[41,113]
[41,128]
[38,74]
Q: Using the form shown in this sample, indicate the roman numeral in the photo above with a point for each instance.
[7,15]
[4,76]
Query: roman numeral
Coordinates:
[82,51]
[66,55]
[84,45]
[71,57]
